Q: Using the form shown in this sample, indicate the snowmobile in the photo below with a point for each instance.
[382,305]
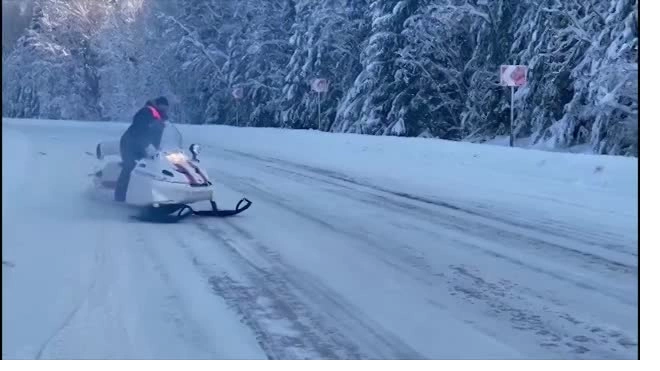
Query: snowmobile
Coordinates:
[163,186]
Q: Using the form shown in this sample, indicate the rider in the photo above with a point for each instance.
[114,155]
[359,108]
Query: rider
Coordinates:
[141,140]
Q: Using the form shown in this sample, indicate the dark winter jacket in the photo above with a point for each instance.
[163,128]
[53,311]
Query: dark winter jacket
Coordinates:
[147,128]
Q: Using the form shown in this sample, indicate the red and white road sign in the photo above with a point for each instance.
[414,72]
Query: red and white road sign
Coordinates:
[237,93]
[320,85]
[513,75]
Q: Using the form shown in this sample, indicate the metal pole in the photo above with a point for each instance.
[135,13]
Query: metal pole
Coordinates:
[319,107]
[511,125]
[236,114]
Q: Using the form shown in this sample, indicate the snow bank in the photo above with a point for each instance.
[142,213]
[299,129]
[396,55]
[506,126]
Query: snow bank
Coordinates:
[526,143]
[555,187]
[431,164]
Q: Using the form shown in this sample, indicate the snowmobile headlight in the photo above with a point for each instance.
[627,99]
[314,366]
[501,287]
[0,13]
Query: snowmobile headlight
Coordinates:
[176,158]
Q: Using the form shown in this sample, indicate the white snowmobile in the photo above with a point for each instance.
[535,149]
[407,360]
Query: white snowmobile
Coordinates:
[163,186]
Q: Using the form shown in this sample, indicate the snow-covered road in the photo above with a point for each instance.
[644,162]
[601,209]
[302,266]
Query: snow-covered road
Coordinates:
[324,265]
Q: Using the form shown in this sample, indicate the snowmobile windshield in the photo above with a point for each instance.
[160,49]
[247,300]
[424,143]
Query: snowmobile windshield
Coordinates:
[171,140]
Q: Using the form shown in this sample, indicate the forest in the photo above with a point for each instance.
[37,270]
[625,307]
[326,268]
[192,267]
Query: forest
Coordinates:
[416,68]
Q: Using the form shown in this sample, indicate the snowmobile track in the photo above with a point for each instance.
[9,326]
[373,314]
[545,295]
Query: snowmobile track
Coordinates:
[499,299]
[467,283]
[485,223]
[480,211]
[280,293]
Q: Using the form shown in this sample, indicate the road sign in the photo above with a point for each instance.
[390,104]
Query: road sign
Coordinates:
[320,85]
[237,93]
[513,75]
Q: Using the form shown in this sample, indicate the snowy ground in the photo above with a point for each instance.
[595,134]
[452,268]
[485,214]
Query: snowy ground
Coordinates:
[503,140]
[355,247]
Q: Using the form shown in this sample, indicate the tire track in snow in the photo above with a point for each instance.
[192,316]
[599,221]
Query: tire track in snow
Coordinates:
[559,330]
[410,204]
[293,315]
[96,312]
[348,317]
[335,178]
[573,336]
[399,256]
[554,328]
[280,329]
[69,318]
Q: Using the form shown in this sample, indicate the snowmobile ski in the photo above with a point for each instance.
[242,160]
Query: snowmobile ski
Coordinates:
[174,213]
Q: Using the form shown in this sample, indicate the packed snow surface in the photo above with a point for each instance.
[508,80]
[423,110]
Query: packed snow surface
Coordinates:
[355,247]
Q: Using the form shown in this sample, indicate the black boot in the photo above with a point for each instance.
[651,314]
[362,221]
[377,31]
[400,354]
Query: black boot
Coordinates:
[122,182]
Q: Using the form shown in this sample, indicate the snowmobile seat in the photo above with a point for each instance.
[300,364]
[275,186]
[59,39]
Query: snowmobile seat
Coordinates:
[108,148]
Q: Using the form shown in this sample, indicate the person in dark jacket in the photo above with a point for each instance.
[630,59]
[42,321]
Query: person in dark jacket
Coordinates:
[141,140]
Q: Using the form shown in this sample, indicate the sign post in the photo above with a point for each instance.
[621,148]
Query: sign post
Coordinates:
[237,93]
[512,76]
[319,86]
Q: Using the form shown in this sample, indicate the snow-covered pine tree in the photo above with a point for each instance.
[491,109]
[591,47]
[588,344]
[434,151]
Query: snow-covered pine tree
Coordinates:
[258,53]
[430,73]
[606,82]
[583,73]
[366,106]
[194,40]
[551,41]
[486,25]
[122,47]
[15,20]
[57,61]
[326,39]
